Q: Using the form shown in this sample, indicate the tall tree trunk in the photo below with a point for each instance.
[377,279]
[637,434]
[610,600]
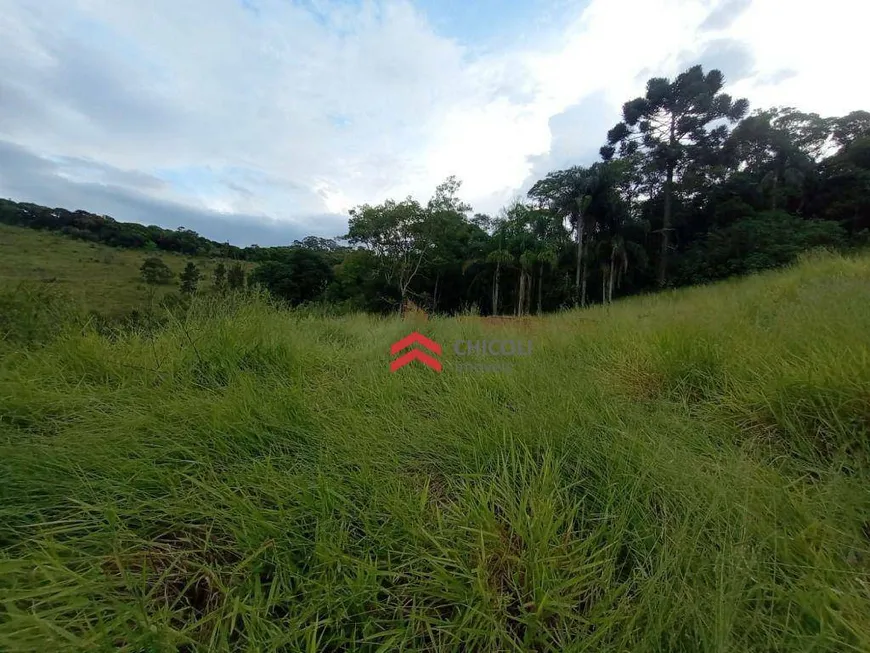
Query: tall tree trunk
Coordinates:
[495,289]
[540,286]
[435,294]
[773,193]
[666,218]
[610,277]
[528,304]
[603,285]
[585,277]
[666,228]
[521,290]
[577,281]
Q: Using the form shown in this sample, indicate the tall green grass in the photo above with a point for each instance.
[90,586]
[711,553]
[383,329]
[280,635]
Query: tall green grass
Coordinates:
[681,472]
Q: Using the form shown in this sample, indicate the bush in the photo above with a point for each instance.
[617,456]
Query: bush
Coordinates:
[300,277]
[155,271]
[764,241]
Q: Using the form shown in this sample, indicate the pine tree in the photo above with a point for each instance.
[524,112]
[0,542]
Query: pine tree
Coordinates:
[668,125]
[219,280]
[236,277]
[190,279]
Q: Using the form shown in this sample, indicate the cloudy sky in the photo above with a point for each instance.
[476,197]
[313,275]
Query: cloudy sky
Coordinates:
[260,121]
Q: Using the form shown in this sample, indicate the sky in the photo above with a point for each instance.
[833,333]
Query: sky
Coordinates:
[262,121]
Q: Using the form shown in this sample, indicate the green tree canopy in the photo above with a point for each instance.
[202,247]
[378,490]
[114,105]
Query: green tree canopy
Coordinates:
[155,272]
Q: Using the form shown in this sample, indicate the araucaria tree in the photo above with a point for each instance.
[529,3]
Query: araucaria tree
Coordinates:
[682,196]
[670,125]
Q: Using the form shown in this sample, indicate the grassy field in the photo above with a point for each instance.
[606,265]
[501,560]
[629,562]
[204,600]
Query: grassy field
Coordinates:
[681,472]
[105,279]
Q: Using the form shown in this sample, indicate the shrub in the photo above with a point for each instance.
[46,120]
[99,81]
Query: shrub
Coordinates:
[155,271]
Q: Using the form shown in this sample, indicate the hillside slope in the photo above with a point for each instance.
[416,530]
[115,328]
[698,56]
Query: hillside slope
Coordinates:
[99,277]
[680,472]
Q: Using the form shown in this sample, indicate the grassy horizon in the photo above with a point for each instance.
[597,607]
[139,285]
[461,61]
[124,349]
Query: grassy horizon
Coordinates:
[685,471]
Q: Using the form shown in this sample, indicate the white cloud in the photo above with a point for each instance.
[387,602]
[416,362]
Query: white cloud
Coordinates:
[288,113]
[821,46]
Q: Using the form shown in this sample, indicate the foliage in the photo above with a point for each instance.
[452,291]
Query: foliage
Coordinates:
[841,191]
[851,127]
[398,235]
[219,278]
[669,127]
[104,229]
[300,276]
[236,277]
[360,286]
[155,272]
[690,188]
[764,241]
[190,279]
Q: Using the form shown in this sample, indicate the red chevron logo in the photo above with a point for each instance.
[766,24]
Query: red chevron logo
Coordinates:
[415,354]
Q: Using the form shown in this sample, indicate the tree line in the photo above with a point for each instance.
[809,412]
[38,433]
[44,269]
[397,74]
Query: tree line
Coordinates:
[155,272]
[108,231]
[691,187]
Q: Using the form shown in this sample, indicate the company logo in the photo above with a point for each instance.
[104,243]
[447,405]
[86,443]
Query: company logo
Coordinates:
[472,353]
[492,348]
[415,354]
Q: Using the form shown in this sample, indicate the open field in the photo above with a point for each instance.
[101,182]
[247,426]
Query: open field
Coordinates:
[102,278]
[680,472]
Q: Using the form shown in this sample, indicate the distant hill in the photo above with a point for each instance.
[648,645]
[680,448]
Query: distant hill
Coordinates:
[98,276]
[129,235]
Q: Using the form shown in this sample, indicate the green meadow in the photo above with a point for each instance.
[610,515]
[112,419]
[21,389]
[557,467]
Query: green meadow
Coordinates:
[681,472]
[97,277]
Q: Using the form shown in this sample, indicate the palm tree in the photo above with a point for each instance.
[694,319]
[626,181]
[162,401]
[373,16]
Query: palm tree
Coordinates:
[527,264]
[582,200]
[618,256]
[576,204]
[604,256]
[595,195]
[549,234]
[569,194]
[544,256]
[500,257]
